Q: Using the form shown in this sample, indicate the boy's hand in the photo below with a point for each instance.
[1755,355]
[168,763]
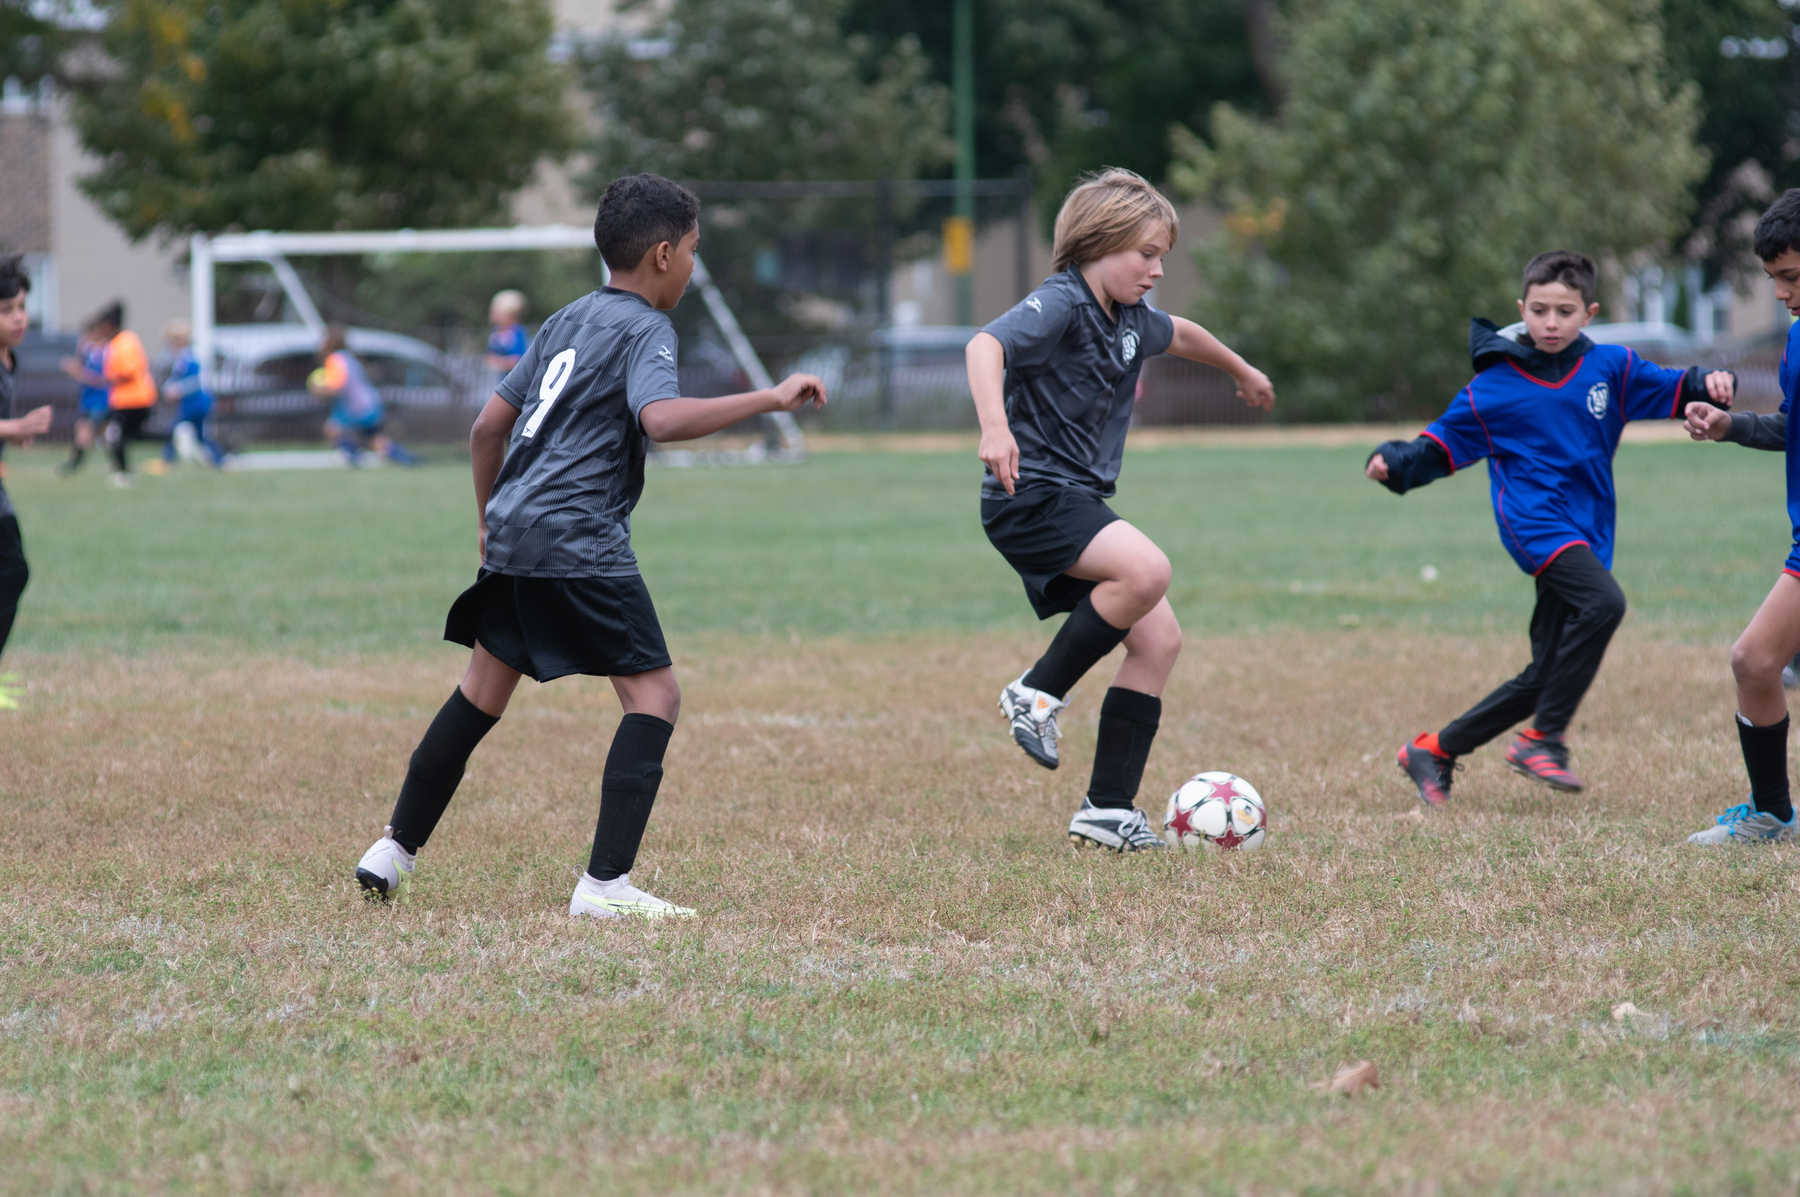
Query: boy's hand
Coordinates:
[999,452]
[32,423]
[1706,422]
[1376,470]
[795,390]
[1721,386]
[481,540]
[1255,389]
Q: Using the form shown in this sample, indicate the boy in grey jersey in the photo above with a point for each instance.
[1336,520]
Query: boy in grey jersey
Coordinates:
[13,571]
[1053,381]
[558,456]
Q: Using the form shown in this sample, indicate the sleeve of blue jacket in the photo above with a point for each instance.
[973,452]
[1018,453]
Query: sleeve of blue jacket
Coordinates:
[1412,463]
[1654,392]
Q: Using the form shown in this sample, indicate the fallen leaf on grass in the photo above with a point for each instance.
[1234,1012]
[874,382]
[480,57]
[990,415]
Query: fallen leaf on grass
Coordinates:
[1352,1079]
[1625,1010]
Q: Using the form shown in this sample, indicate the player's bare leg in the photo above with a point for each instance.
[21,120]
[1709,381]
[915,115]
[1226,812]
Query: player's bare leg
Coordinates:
[489,682]
[1757,659]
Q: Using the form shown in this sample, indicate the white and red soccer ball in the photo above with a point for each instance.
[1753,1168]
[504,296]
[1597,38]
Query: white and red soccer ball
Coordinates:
[1220,809]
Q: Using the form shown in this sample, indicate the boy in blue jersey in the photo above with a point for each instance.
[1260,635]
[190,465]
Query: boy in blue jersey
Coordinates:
[507,342]
[87,367]
[558,455]
[1773,636]
[185,388]
[1546,409]
[1054,381]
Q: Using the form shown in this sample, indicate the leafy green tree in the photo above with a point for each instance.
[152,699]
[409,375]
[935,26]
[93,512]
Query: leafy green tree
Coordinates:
[1067,86]
[320,114]
[1425,152]
[1742,56]
[749,89]
[30,40]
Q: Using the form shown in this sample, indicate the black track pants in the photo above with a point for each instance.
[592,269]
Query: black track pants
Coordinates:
[13,573]
[1579,607]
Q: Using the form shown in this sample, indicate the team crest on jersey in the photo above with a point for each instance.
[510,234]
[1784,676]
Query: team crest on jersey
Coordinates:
[662,351]
[1597,397]
[1130,344]
[1035,304]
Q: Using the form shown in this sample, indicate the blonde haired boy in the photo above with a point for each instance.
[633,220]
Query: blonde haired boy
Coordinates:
[1053,381]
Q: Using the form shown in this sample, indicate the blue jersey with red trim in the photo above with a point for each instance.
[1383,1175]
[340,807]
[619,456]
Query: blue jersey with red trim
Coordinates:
[1549,445]
[1790,381]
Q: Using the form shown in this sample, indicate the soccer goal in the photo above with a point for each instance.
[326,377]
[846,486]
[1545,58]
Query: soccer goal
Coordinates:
[782,439]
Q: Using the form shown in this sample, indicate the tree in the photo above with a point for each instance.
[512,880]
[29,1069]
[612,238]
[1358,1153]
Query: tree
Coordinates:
[319,114]
[754,89]
[1742,56]
[1426,151]
[1072,85]
[30,40]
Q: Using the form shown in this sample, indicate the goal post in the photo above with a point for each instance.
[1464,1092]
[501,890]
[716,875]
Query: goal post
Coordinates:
[785,441]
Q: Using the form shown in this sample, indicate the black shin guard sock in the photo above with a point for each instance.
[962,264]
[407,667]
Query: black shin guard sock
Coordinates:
[437,768]
[1079,644]
[627,792]
[1765,759]
[1128,723]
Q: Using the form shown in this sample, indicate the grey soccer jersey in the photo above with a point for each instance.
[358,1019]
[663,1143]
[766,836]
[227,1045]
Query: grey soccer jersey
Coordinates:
[561,505]
[8,388]
[1071,376]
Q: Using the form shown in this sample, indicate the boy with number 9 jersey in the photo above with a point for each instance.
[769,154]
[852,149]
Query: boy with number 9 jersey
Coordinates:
[558,456]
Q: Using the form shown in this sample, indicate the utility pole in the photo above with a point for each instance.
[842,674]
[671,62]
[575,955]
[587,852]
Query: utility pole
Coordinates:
[959,230]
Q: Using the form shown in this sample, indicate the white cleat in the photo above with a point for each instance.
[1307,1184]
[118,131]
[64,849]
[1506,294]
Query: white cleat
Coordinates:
[618,899]
[1032,714]
[1742,825]
[1119,829]
[386,869]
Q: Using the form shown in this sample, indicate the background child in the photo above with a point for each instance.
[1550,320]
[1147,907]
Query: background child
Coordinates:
[87,367]
[131,392]
[14,573]
[1773,636]
[559,590]
[507,342]
[1053,381]
[186,388]
[357,412]
[1546,408]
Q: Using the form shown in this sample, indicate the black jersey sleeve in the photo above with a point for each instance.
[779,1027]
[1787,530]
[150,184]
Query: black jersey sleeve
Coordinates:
[1412,463]
[1758,431]
[1033,329]
[1693,388]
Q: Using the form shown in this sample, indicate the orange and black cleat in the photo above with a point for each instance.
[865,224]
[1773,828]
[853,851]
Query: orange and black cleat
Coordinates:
[1543,758]
[1430,767]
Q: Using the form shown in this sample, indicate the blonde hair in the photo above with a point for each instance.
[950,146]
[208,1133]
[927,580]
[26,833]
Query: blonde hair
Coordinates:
[508,301]
[1109,212]
[178,330]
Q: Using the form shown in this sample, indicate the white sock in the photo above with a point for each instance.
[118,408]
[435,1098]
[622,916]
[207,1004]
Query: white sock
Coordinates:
[609,889]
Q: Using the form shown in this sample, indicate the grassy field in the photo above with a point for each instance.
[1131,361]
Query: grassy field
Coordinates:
[905,982]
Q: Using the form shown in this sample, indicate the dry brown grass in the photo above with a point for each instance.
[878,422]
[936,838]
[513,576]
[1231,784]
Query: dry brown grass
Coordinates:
[905,981]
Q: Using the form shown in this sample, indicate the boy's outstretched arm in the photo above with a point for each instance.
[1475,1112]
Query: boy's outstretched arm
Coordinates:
[1708,423]
[33,423]
[689,419]
[1197,345]
[1402,465]
[999,452]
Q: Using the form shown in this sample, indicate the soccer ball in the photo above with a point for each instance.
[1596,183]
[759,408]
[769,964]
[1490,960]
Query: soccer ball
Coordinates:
[1215,808]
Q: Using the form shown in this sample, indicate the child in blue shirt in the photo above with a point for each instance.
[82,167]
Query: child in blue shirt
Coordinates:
[87,367]
[507,343]
[185,388]
[1546,409]
[1773,636]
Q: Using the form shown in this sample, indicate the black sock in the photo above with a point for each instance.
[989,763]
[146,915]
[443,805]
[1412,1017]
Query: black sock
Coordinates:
[1128,723]
[1079,644]
[1765,759]
[627,792]
[437,768]
[76,453]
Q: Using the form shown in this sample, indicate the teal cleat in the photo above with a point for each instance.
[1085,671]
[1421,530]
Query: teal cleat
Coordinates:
[1744,825]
